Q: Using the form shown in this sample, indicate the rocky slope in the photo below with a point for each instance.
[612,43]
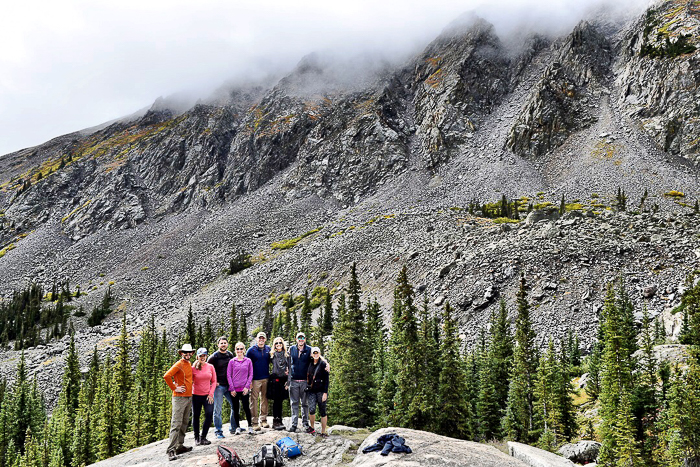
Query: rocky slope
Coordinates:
[385,166]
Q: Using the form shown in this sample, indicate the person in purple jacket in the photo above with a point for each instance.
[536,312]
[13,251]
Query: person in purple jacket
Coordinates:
[240,376]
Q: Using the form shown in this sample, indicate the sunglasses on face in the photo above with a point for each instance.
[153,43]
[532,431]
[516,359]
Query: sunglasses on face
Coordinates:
[315,353]
[301,338]
[240,348]
[278,343]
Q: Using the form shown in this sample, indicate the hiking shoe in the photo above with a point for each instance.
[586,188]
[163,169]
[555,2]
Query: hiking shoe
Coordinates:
[239,430]
[196,440]
[324,435]
[204,442]
[310,430]
[183,449]
[251,431]
[220,436]
[172,456]
[292,429]
[264,425]
[256,427]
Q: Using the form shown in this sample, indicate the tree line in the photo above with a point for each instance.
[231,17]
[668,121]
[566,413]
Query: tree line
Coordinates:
[412,374]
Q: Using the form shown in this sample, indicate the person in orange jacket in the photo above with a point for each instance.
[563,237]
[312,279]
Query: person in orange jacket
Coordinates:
[179,379]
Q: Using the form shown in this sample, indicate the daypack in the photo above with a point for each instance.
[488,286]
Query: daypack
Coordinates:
[269,455]
[228,457]
[289,447]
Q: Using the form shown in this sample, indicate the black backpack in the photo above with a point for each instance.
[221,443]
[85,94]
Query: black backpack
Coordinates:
[269,455]
[228,457]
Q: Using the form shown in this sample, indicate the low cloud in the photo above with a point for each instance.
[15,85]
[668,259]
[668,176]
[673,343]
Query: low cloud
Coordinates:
[69,66]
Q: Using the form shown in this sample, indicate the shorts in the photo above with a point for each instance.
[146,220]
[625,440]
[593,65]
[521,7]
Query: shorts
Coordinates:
[315,398]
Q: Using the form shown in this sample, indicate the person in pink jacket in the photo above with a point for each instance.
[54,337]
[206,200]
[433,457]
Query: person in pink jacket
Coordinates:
[204,383]
[240,376]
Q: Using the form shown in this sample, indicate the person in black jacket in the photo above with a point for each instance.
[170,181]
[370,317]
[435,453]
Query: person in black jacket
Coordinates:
[317,384]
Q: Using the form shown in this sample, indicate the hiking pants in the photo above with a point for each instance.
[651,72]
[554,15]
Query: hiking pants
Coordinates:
[316,398]
[220,392]
[199,403]
[178,423]
[297,393]
[236,422]
[258,390]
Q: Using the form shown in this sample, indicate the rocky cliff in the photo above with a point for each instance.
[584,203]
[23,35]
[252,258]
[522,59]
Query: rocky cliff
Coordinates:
[385,163]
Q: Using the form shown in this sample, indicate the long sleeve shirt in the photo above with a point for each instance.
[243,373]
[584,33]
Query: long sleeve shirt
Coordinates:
[300,362]
[260,356]
[239,374]
[181,372]
[204,380]
[317,381]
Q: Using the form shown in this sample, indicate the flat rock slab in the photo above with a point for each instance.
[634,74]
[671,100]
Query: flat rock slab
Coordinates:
[317,452]
[536,457]
[434,450]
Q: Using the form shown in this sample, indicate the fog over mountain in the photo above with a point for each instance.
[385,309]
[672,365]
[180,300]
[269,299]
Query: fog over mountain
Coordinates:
[67,67]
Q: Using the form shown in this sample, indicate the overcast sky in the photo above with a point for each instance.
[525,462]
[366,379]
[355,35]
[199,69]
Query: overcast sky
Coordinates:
[69,65]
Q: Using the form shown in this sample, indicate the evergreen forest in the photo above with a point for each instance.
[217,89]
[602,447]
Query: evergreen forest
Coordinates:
[413,374]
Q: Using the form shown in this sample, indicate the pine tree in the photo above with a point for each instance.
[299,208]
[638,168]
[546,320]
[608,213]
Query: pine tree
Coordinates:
[233,326]
[376,342]
[327,324]
[107,433]
[494,375]
[243,334]
[267,318]
[518,423]
[644,400]
[305,316]
[681,438]
[350,380]
[405,347]
[208,338]
[191,335]
[546,401]
[616,386]
[690,307]
[424,401]
[457,418]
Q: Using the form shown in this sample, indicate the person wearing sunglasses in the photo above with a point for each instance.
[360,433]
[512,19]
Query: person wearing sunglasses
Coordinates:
[278,389]
[179,380]
[204,384]
[240,378]
[317,389]
[299,356]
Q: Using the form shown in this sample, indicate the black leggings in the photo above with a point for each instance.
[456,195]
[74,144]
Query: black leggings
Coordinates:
[246,408]
[197,403]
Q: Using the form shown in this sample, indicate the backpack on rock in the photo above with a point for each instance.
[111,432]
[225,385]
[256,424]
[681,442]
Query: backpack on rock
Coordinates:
[269,455]
[228,457]
[289,447]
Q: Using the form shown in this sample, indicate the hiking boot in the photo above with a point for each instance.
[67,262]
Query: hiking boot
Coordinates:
[277,424]
[196,440]
[264,425]
[310,430]
[172,456]
[256,427]
[292,429]
[183,449]
[204,442]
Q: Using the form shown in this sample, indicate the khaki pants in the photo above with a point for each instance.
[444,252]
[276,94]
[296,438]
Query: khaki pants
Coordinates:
[182,406]
[258,390]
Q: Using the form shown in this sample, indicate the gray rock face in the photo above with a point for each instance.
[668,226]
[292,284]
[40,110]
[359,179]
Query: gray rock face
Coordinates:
[431,449]
[658,86]
[561,102]
[535,457]
[583,452]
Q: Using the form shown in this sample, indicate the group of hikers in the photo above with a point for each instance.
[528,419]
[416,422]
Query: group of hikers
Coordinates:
[299,373]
